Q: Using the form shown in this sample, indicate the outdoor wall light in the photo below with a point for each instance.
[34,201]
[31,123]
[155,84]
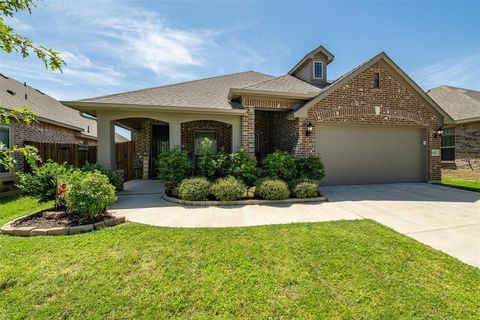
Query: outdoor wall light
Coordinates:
[438,133]
[309,128]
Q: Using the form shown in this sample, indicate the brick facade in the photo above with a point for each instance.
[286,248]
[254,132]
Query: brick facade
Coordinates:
[394,103]
[143,139]
[356,102]
[222,130]
[467,146]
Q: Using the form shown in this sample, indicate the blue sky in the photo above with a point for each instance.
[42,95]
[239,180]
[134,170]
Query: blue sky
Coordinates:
[113,46]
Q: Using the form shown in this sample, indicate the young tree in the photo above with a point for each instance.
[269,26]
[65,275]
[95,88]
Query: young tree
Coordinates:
[12,41]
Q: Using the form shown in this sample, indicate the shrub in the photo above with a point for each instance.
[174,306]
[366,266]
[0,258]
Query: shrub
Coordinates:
[89,193]
[194,189]
[114,177]
[173,166]
[228,189]
[311,168]
[271,189]
[305,189]
[279,165]
[214,166]
[42,182]
[244,166]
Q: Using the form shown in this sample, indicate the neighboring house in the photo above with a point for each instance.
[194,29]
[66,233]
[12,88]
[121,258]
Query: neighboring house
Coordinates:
[460,139]
[56,122]
[371,125]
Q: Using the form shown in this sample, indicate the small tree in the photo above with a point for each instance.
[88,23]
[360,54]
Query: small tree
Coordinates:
[11,41]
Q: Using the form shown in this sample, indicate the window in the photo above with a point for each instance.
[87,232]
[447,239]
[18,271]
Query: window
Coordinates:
[201,135]
[448,144]
[318,70]
[376,80]
[5,141]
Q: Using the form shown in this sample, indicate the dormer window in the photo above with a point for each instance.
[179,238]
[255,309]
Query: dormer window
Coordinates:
[317,70]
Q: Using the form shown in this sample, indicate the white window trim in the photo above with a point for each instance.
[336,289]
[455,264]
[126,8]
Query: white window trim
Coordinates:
[9,173]
[314,62]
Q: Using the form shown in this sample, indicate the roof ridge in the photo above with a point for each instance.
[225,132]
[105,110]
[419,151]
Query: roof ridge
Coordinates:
[263,81]
[282,76]
[174,84]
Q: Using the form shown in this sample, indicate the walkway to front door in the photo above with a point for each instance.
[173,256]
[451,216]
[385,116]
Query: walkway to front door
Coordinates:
[444,218]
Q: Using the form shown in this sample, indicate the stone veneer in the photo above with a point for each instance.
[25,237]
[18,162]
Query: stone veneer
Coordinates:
[223,132]
[467,146]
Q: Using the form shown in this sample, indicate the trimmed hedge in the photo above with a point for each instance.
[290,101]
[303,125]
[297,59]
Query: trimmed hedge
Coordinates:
[311,168]
[279,165]
[271,189]
[228,189]
[194,189]
[305,189]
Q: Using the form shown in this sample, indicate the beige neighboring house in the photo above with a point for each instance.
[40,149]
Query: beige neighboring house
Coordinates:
[371,125]
[460,139]
[56,122]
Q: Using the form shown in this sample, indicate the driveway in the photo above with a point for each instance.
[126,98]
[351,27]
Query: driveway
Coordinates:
[444,218]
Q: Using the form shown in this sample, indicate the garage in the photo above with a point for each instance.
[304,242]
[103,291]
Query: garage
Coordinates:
[369,154]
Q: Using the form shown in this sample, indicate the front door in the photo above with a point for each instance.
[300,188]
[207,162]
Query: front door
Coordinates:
[160,143]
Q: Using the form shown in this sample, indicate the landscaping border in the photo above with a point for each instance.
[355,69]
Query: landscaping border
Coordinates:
[241,202]
[34,231]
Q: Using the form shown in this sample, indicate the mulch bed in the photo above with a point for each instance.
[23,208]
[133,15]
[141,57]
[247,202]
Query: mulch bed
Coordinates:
[39,221]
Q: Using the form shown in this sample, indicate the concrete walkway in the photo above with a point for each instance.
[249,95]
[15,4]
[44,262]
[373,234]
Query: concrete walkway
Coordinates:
[446,219]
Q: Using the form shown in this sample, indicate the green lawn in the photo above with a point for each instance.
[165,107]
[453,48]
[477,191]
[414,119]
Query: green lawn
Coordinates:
[349,269]
[11,208]
[461,184]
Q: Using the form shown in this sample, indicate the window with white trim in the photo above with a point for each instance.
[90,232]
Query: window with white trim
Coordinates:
[318,70]
[5,141]
[448,144]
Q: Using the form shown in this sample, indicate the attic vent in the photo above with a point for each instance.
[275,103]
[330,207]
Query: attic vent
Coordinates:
[11,92]
[1,74]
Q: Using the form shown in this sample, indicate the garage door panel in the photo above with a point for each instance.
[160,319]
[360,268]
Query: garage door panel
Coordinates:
[360,155]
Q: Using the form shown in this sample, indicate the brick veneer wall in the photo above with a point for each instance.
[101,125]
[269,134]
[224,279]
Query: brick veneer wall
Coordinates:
[276,132]
[143,138]
[41,132]
[223,132]
[467,145]
[357,102]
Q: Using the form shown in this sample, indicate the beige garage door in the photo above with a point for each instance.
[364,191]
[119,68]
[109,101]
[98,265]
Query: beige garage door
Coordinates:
[363,154]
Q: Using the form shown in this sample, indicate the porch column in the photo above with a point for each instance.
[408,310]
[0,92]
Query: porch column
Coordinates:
[175,133]
[236,137]
[106,143]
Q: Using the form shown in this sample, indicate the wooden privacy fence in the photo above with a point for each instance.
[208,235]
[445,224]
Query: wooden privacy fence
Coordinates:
[77,154]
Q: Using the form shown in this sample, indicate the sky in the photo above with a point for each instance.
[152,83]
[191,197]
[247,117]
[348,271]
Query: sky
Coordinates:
[114,46]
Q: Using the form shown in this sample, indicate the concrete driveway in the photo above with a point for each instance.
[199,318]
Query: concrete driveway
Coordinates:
[444,218]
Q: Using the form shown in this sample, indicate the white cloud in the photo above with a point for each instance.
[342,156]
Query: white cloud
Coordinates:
[460,71]
[18,26]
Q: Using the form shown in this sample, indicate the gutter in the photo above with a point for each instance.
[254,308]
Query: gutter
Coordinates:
[92,107]
[237,92]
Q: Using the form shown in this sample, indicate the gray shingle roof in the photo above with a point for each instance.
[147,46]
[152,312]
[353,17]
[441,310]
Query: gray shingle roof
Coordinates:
[285,83]
[44,106]
[203,93]
[459,103]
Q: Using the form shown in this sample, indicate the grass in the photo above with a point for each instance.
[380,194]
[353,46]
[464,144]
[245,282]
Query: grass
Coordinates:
[14,207]
[464,184]
[346,269]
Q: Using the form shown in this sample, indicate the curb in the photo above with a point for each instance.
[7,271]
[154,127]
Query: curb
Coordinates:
[8,229]
[241,202]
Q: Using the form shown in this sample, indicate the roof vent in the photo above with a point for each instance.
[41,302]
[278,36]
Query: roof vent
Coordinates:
[88,129]
[24,84]
[26,96]
[11,92]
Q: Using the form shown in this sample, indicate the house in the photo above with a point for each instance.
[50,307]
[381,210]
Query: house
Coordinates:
[371,125]
[56,122]
[460,139]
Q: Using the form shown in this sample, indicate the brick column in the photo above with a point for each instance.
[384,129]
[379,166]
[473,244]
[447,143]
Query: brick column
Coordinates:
[306,144]
[434,162]
[248,128]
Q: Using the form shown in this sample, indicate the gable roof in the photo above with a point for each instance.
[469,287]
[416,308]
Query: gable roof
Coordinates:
[210,93]
[302,111]
[461,104]
[286,85]
[311,54]
[16,94]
